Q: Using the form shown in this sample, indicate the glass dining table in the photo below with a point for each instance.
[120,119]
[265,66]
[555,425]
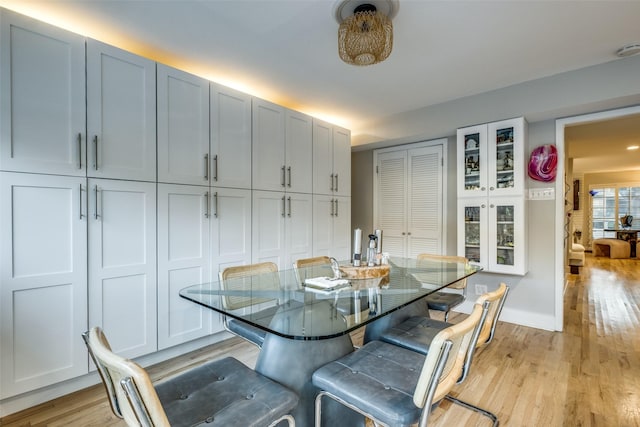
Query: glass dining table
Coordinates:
[307,316]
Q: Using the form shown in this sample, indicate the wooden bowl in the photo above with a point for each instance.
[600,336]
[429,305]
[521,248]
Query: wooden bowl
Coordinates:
[364,272]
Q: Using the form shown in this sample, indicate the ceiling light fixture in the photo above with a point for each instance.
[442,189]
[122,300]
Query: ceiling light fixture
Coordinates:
[365,36]
[633,147]
[628,50]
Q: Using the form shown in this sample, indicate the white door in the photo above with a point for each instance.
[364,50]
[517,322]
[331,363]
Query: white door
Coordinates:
[42,97]
[341,244]
[322,157]
[183,127]
[183,260]
[299,152]
[323,211]
[391,202]
[341,161]
[121,114]
[269,170]
[298,228]
[268,227]
[43,280]
[230,228]
[122,264]
[230,161]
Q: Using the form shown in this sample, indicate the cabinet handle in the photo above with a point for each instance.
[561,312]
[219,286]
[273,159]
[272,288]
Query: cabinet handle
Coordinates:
[332,207]
[289,211]
[492,206]
[491,188]
[80,151]
[95,154]
[483,188]
[206,167]
[80,192]
[215,204]
[336,202]
[289,172]
[206,204]
[283,207]
[331,184]
[336,189]
[215,168]
[483,206]
[282,182]
[95,206]
[409,233]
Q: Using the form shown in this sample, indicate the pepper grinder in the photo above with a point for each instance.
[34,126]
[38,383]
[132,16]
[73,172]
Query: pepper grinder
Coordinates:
[371,250]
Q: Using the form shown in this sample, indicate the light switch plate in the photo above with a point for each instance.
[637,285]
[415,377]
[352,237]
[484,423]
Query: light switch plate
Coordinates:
[542,193]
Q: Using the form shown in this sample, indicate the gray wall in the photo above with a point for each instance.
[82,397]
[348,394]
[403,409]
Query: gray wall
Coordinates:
[611,85]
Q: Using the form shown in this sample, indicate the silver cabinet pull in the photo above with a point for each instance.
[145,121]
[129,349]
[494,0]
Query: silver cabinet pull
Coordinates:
[206,167]
[215,168]
[491,188]
[79,150]
[206,204]
[80,192]
[289,212]
[332,214]
[215,204]
[283,206]
[336,188]
[95,154]
[483,206]
[289,171]
[95,206]
[331,184]
[403,233]
[492,206]
[282,182]
[483,188]
[336,202]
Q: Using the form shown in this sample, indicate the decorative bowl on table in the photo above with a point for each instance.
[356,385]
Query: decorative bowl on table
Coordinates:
[364,277]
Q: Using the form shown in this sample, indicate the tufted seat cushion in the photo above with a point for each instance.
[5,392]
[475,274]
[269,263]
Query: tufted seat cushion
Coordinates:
[415,333]
[444,301]
[386,394]
[240,394]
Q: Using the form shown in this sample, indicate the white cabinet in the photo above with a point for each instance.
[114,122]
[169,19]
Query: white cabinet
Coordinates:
[43,280]
[230,228]
[493,233]
[42,97]
[282,149]
[183,127]
[332,226]
[409,200]
[331,159]
[491,159]
[183,259]
[230,121]
[121,114]
[122,263]
[492,225]
[282,227]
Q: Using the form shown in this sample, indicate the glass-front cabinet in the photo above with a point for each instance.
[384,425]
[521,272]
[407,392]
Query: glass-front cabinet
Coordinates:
[492,233]
[491,159]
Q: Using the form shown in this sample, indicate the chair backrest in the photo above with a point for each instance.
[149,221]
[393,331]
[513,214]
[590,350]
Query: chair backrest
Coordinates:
[131,393]
[235,278]
[460,284]
[312,267]
[496,301]
[445,361]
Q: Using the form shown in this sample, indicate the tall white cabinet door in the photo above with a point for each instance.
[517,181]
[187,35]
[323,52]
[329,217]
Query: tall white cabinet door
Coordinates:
[230,158]
[43,273]
[341,161]
[42,97]
[183,259]
[269,170]
[230,228]
[183,127]
[323,211]
[268,232]
[122,264]
[299,152]
[341,244]
[391,202]
[298,228]
[425,201]
[322,157]
[121,114]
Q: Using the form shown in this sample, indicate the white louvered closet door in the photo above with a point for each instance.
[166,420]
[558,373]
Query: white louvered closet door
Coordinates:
[409,201]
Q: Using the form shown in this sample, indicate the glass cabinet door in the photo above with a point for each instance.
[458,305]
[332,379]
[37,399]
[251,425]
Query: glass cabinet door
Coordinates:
[506,155]
[472,161]
[472,237]
[507,235]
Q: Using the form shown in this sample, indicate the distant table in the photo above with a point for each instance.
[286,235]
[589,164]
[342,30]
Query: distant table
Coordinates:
[630,236]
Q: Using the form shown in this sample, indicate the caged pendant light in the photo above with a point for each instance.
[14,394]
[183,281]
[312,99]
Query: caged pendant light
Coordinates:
[365,36]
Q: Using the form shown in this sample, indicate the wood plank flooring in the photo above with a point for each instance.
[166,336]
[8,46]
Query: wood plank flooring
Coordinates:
[588,375]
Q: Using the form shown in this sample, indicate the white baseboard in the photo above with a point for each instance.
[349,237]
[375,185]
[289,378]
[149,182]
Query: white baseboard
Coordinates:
[517,317]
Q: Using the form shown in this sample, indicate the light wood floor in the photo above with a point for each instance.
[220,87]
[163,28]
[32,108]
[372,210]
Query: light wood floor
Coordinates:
[588,375]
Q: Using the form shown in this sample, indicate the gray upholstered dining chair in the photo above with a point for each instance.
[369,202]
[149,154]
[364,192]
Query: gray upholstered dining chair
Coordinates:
[446,300]
[395,386]
[417,334]
[222,392]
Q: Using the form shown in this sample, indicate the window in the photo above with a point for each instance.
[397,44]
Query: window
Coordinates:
[608,204]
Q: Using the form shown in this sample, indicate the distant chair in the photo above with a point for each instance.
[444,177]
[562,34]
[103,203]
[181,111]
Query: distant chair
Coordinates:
[395,386]
[233,278]
[216,390]
[446,301]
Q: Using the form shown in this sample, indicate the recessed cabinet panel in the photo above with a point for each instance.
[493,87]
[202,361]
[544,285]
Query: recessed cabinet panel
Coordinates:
[230,228]
[42,80]
[269,169]
[298,153]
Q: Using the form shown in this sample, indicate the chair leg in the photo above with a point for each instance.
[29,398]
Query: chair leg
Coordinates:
[477,409]
[446,315]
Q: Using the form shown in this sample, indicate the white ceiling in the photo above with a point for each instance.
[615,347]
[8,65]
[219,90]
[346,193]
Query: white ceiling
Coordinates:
[286,50]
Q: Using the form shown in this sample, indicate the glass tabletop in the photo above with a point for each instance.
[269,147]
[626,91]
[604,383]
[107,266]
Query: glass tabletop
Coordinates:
[310,303]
